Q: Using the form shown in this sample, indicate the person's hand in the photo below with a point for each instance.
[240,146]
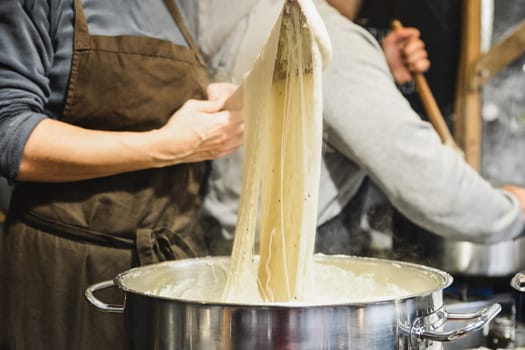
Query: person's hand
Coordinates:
[405,54]
[518,192]
[203,130]
[221,91]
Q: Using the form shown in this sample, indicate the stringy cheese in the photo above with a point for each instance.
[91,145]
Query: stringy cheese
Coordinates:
[281,172]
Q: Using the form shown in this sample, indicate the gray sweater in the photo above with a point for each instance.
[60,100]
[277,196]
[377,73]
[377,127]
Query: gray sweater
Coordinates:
[371,130]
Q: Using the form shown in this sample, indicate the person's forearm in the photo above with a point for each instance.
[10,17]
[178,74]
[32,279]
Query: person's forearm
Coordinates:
[57,152]
[198,131]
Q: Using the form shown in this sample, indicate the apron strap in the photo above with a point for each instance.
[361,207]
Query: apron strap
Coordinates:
[151,245]
[76,232]
[177,16]
[81,36]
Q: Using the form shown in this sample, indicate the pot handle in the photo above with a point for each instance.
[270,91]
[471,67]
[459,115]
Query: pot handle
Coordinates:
[479,320]
[89,294]
[518,282]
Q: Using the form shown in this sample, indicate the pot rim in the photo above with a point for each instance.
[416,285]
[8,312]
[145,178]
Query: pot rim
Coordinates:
[446,278]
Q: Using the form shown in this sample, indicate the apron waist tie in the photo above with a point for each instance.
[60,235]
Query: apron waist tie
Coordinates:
[76,232]
[152,245]
[161,244]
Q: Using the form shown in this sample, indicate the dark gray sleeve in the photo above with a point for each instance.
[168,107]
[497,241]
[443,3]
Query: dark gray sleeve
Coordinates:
[370,122]
[26,53]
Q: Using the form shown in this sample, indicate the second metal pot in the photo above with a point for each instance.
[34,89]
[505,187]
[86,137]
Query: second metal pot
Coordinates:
[500,259]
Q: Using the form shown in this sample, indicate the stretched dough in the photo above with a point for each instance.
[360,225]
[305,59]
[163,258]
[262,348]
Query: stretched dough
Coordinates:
[282,103]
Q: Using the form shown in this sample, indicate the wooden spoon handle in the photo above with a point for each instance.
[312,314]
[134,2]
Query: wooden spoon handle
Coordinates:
[429,103]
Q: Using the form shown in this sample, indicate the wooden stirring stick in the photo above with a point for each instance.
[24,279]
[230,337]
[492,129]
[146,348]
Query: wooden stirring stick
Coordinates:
[430,105]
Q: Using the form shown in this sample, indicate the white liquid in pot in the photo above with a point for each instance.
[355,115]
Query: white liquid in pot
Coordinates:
[332,284]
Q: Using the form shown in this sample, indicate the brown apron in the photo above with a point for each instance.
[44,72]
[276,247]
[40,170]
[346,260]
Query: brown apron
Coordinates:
[63,237]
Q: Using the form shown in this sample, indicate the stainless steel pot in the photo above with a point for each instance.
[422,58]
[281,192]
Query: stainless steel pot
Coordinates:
[414,321]
[500,259]
[491,260]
